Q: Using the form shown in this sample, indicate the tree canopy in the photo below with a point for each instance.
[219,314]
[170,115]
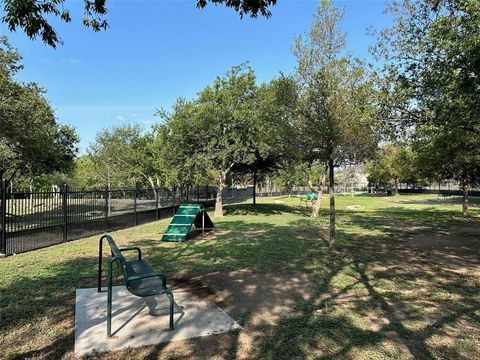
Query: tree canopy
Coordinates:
[432,58]
[394,163]
[335,104]
[233,126]
[32,15]
[31,141]
[123,156]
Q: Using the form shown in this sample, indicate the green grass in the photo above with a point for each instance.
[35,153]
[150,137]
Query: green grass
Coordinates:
[377,295]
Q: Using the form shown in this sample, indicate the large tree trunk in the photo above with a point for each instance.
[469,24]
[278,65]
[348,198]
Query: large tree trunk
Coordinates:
[317,203]
[218,203]
[31,203]
[152,183]
[331,191]
[314,213]
[465,199]
[396,187]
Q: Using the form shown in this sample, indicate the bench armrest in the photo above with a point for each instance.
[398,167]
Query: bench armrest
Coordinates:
[149,275]
[137,249]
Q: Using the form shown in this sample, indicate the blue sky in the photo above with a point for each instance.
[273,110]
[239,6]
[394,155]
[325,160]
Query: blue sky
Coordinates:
[158,50]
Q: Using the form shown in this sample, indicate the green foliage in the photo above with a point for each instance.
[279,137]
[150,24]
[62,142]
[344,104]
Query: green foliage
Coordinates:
[335,106]
[31,141]
[290,174]
[394,162]
[274,130]
[336,110]
[123,157]
[32,15]
[208,136]
[433,62]
[243,7]
[233,128]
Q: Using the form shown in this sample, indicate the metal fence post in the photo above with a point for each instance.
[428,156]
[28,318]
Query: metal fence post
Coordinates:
[107,195]
[3,215]
[173,198]
[65,212]
[135,205]
[156,204]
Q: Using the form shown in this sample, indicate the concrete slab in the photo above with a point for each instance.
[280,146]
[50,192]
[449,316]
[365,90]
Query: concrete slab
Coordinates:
[133,326]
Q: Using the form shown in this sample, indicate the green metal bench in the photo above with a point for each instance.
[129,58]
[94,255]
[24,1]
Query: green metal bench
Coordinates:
[311,196]
[139,278]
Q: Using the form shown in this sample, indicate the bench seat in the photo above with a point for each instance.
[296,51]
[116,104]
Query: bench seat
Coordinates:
[145,286]
[139,277]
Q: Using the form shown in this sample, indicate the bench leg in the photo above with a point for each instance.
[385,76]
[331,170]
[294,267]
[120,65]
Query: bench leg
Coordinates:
[170,297]
[109,300]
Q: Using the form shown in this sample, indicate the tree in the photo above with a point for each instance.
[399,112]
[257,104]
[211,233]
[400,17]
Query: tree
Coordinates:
[179,140]
[23,109]
[85,174]
[216,131]
[432,61]
[275,106]
[123,157]
[394,162]
[31,15]
[335,104]
[348,176]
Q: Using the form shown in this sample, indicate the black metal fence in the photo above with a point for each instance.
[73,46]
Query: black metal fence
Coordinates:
[473,193]
[34,219]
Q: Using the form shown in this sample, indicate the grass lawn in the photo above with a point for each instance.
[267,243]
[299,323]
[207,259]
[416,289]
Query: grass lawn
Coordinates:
[403,282]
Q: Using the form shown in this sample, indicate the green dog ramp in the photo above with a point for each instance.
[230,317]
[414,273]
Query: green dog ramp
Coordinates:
[186,216]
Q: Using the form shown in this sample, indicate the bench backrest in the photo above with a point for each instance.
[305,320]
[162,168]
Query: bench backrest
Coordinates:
[312,195]
[117,255]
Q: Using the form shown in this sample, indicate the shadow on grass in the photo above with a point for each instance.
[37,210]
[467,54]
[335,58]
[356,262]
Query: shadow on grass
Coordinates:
[265,209]
[384,295]
[368,276]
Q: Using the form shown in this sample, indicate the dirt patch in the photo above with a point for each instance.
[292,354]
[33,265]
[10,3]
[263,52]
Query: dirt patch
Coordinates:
[455,249]
[251,297]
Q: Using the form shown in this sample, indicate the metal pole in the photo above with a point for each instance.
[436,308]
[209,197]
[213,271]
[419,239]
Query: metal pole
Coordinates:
[254,188]
[65,212]
[135,205]
[107,194]
[99,275]
[156,203]
[203,219]
[3,214]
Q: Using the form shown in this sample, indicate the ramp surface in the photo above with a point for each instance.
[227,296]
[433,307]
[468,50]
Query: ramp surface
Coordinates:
[186,216]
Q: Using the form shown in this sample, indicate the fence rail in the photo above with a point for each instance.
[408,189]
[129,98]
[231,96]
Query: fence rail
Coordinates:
[31,220]
[35,219]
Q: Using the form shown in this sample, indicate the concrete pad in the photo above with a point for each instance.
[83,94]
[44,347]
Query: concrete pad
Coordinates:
[133,326]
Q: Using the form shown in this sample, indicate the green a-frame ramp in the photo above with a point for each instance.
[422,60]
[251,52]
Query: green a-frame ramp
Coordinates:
[186,216]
